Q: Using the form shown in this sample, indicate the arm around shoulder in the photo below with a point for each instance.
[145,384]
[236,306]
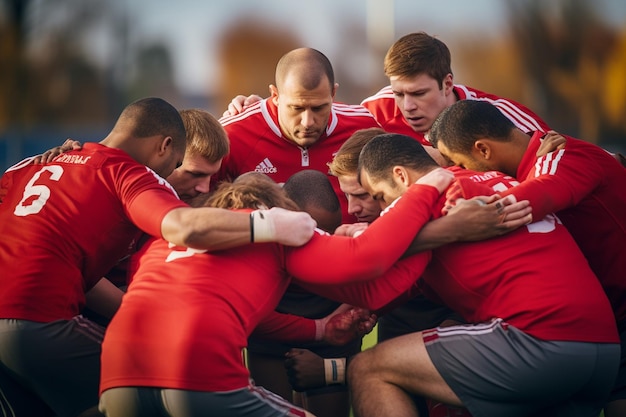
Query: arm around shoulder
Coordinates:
[213,228]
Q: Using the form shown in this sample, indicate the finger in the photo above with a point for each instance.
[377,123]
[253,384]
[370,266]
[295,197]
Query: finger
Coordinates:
[510,224]
[518,214]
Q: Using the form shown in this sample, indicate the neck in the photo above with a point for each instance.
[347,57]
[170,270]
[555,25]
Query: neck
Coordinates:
[519,144]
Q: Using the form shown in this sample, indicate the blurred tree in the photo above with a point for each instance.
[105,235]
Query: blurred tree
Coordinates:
[153,74]
[573,58]
[248,54]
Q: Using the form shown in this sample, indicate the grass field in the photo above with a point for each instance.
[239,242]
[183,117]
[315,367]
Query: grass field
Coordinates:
[370,339]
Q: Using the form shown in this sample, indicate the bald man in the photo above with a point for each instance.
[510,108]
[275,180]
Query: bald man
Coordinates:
[298,127]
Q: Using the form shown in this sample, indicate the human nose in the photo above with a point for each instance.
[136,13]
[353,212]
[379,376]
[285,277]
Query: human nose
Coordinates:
[308,118]
[204,185]
[353,206]
[408,103]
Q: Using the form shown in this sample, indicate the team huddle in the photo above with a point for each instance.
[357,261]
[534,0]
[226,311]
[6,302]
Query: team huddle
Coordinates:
[189,265]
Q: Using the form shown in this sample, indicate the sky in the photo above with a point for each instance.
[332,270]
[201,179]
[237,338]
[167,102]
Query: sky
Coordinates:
[318,23]
[191,27]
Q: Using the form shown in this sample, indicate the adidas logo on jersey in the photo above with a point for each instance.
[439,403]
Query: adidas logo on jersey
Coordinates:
[266,167]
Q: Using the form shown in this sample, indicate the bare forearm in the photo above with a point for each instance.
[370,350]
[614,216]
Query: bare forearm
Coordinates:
[473,220]
[206,228]
[435,234]
[212,228]
[104,298]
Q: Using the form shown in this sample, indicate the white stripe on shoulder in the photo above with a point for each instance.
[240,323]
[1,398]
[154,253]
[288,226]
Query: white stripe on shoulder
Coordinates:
[520,118]
[22,163]
[268,118]
[383,93]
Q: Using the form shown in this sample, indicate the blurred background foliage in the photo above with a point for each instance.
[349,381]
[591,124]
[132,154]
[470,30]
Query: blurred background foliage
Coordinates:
[560,58]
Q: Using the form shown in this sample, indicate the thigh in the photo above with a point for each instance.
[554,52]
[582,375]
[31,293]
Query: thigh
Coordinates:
[58,361]
[404,361]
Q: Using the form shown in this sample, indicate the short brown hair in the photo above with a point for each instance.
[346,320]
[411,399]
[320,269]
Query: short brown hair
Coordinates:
[346,160]
[205,135]
[418,53]
[253,191]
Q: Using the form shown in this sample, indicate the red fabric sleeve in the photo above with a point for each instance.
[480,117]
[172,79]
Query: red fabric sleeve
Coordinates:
[560,180]
[394,287]
[160,202]
[285,328]
[340,259]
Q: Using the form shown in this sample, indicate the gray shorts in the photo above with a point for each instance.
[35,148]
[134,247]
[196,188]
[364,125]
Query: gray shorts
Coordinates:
[59,362]
[498,370]
[619,390]
[251,401]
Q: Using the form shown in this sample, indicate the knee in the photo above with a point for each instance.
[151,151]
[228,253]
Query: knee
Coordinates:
[358,366]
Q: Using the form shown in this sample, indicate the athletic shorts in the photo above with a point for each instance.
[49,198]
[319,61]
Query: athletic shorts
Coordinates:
[619,389]
[251,401]
[17,401]
[498,370]
[417,314]
[58,361]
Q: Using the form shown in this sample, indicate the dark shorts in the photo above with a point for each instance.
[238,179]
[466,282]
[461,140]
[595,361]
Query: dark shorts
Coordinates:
[498,370]
[619,390]
[59,361]
[251,401]
[417,314]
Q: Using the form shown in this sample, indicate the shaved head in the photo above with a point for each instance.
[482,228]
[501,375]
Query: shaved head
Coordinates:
[307,65]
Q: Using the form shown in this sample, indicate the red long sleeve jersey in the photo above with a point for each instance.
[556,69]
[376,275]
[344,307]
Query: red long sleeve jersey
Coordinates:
[585,186]
[66,223]
[535,278]
[187,314]
[258,144]
[383,106]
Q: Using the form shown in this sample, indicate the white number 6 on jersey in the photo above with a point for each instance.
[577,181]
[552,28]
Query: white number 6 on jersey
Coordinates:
[41,191]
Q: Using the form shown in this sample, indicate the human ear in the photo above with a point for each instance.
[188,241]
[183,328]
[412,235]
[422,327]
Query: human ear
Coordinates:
[165,143]
[483,148]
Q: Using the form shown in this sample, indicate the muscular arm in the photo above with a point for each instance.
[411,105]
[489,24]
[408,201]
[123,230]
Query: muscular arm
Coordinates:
[215,229]
[471,220]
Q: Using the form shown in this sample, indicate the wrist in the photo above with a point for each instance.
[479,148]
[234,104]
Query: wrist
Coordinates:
[335,371]
[320,329]
[261,227]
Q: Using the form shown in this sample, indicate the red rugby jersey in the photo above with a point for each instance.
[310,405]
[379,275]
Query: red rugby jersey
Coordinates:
[257,144]
[383,106]
[187,314]
[66,223]
[585,186]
